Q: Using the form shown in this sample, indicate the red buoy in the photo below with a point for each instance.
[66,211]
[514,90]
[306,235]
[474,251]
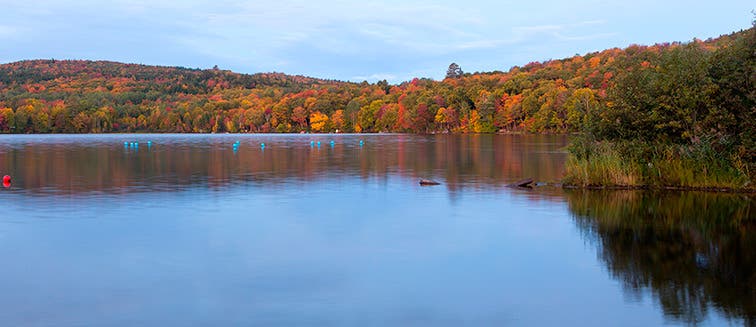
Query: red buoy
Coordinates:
[6,181]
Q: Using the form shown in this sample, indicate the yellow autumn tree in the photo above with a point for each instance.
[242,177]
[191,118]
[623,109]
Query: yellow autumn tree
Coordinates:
[318,121]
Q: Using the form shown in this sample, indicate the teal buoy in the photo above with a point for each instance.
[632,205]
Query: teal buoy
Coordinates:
[262,145]
[125,143]
[361,142]
[318,143]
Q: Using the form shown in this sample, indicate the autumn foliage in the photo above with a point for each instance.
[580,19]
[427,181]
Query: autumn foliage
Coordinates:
[557,96]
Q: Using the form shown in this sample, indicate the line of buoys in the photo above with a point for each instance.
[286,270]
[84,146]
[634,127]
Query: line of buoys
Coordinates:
[6,181]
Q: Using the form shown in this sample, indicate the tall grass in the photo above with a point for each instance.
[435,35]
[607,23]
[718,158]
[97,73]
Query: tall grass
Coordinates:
[599,164]
[703,164]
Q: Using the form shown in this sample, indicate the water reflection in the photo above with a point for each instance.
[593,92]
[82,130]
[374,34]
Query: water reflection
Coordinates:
[694,252]
[345,230]
[72,164]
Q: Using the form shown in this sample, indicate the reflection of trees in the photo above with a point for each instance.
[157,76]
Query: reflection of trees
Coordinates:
[456,160]
[693,251]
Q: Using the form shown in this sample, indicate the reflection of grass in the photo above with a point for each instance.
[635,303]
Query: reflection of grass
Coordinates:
[633,164]
[704,212]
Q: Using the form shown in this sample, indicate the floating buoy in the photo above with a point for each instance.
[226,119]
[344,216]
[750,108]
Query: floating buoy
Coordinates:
[6,181]
[318,143]
[361,142]
[125,143]
[262,145]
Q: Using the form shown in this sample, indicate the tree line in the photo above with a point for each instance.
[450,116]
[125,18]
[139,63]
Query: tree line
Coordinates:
[675,91]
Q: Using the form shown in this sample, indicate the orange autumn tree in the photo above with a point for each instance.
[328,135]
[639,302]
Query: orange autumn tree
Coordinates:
[318,121]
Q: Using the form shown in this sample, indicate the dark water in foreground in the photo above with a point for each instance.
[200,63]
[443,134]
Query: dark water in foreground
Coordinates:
[190,232]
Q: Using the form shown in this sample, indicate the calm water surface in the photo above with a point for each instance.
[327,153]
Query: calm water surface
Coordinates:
[191,231]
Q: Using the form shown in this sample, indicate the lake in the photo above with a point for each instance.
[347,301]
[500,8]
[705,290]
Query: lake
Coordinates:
[192,230]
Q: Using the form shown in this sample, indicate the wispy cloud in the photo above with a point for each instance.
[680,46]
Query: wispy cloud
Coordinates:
[375,77]
[559,31]
[341,39]
[584,37]
[8,31]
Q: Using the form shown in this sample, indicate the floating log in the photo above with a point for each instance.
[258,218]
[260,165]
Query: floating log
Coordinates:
[522,183]
[428,182]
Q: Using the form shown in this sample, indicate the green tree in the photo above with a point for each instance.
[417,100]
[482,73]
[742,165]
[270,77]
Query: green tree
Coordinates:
[367,115]
[580,107]
[454,71]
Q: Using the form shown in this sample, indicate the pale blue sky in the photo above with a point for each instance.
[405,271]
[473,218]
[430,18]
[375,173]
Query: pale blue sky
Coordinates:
[351,40]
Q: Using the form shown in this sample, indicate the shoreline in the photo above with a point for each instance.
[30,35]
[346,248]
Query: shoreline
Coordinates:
[667,188]
[660,188]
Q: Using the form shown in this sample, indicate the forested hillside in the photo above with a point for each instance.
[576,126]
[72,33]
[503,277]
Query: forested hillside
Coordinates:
[574,94]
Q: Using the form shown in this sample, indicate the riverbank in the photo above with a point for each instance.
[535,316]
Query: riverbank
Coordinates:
[702,166]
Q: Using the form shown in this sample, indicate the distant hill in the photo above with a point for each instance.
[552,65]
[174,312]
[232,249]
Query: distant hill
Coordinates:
[165,79]
[78,96]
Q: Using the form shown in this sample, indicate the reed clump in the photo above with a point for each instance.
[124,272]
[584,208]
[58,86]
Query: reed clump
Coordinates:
[704,164]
